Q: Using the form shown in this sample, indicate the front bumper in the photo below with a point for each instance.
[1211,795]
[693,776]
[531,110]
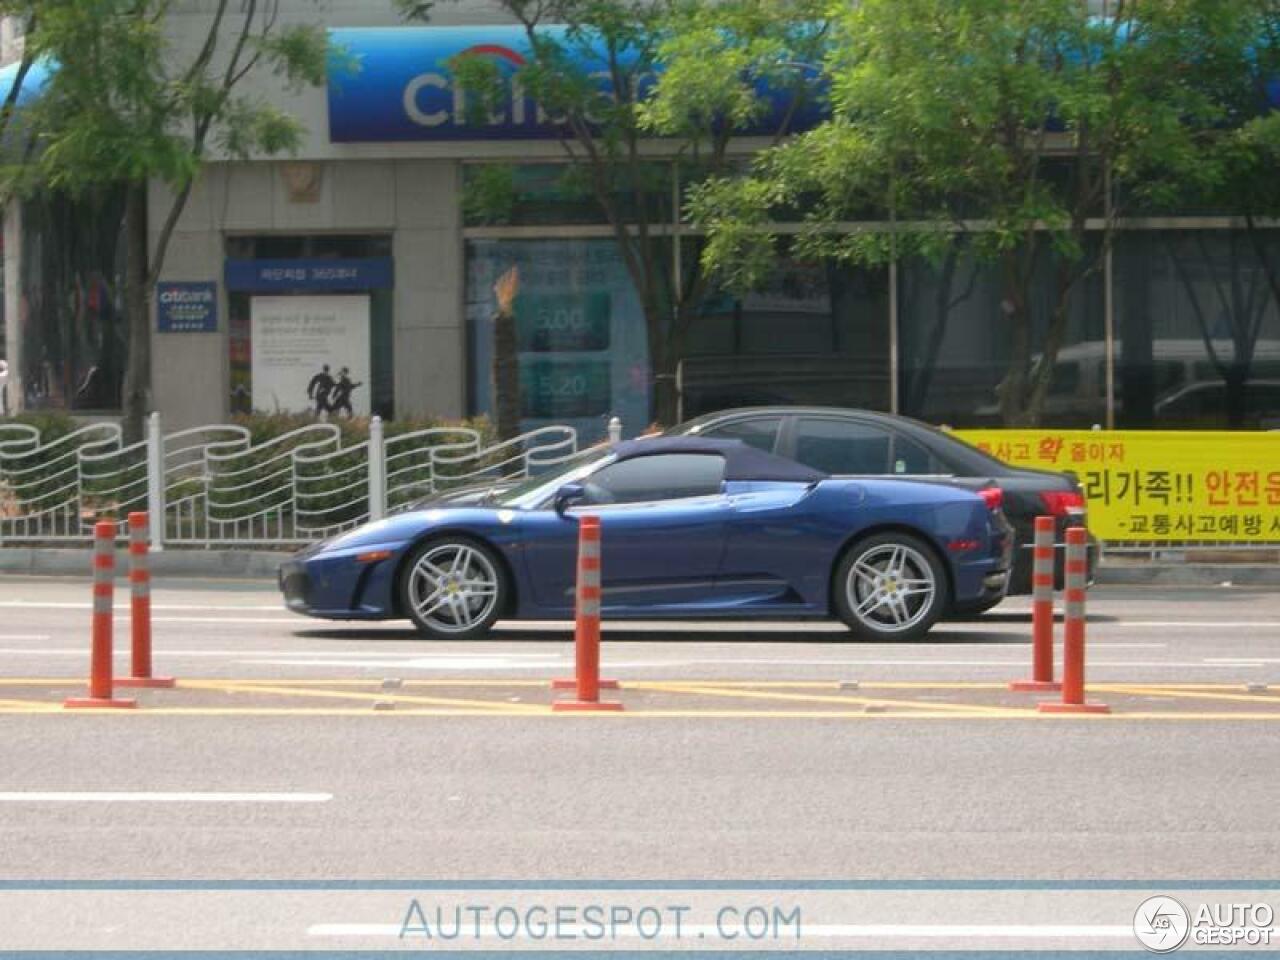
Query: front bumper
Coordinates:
[336,586]
[294,583]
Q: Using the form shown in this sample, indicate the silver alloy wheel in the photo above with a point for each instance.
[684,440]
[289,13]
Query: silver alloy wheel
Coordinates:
[890,588]
[453,587]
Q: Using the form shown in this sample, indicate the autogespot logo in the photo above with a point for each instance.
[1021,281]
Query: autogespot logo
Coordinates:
[1161,924]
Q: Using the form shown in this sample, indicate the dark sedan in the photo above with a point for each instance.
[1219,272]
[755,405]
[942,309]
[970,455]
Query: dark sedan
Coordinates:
[843,442]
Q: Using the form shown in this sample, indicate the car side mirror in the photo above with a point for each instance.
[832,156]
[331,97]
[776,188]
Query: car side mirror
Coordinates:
[568,495]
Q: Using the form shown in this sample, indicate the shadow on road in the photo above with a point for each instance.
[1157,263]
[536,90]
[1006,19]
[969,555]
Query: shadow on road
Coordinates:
[982,618]
[945,634]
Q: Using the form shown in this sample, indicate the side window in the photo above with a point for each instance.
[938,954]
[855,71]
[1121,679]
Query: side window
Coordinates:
[910,458]
[662,476]
[761,434]
[842,446]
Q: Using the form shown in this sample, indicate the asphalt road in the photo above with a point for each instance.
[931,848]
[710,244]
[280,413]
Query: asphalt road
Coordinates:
[738,757]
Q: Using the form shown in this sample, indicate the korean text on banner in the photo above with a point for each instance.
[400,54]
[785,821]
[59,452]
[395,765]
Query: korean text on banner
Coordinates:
[1159,485]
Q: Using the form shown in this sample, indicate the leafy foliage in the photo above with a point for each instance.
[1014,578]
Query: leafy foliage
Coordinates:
[128,101]
[616,75]
[131,100]
[1007,127]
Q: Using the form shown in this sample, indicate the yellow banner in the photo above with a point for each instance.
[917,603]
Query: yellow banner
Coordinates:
[1157,484]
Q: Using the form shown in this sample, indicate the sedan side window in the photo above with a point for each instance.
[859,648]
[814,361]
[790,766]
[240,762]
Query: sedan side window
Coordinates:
[843,446]
[663,476]
[911,458]
[760,433]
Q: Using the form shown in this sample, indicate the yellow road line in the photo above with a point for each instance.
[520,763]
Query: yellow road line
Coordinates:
[356,695]
[673,681]
[31,705]
[712,691]
[56,710]
[1174,694]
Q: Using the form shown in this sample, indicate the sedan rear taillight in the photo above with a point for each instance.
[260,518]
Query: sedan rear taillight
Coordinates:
[993,497]
[1063,503]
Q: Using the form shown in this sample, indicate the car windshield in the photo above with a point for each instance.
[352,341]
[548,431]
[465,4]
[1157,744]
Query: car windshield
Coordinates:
[533,491]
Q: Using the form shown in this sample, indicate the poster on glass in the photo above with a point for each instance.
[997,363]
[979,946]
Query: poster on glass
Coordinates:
[311,354]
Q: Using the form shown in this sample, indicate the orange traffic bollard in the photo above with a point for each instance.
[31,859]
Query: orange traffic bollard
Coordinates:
[1073,633]
[1041,612]
[587,624]
[140,607]
[100,671]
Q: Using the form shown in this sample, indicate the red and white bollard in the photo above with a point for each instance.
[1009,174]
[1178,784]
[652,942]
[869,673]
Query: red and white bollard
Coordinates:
[101,666]
[587,626]
[140,607]
[1041,612]
[1073,632]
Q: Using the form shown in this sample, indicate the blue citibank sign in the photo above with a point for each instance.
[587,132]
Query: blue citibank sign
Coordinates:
[395,83]
[187,307]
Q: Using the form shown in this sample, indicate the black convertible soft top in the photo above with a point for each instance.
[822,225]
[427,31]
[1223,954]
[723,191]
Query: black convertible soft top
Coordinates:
[742,462]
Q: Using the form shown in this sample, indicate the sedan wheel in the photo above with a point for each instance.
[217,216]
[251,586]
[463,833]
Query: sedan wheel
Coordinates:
[890,587]
[453,588]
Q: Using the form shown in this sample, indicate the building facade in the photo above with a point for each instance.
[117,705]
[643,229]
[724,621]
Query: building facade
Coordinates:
[358,270]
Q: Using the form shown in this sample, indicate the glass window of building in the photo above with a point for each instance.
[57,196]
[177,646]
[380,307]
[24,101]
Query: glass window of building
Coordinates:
[299,348]
[955,341]
[561,194]
[1197,329]
[74,331]
[814,333]
[580,332]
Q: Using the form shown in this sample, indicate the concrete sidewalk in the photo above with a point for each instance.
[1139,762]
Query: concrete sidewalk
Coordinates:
[262,564]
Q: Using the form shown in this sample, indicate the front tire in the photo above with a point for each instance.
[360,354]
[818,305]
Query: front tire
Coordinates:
[453,588]
[890,586]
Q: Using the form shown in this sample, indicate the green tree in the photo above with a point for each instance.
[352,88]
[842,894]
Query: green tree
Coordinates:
[1234,54]
[132,101]
[25,13]
[622,80]
[1004,127]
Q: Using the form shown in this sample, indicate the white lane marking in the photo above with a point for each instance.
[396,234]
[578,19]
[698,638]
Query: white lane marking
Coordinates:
[25,636]
[363,654]
[388,659]
[1198,624]
[826,930]
[281,621]
[150,796]
[461,664]
[78,605]
[442,663]
[1236,660]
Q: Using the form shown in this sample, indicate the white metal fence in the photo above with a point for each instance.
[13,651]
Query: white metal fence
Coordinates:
[213,486]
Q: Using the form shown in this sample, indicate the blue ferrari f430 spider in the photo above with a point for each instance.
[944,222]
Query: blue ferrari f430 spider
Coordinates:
[690,528]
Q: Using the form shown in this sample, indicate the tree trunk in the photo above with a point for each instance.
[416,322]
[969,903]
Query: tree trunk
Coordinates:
[506,376]
[666,348]
[136,401]
[1013,389]
[918,388]
[1038,390]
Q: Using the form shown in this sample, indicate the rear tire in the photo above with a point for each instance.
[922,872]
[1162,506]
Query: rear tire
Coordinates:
[453,588]
[890,586]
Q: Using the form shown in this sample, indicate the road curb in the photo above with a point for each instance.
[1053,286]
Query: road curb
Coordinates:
[262,564]
[1190,574]
[217,564]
